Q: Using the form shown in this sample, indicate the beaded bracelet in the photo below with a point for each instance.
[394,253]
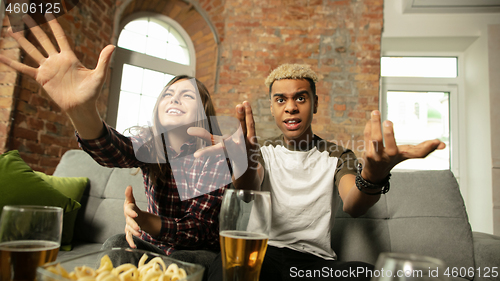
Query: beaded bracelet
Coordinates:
[363,184]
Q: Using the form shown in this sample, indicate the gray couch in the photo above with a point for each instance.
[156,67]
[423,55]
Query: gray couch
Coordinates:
[101,215]
[424,213]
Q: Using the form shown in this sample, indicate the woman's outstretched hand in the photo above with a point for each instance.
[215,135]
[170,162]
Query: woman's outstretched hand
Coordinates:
[73,87]
[61,74]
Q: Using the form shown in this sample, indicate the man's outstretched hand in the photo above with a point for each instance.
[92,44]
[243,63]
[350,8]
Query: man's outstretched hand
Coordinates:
[382,153]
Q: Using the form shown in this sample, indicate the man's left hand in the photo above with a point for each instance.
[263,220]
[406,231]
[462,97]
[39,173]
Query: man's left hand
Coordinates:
[379,159]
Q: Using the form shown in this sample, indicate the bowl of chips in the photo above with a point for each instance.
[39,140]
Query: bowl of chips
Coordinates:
[120,265]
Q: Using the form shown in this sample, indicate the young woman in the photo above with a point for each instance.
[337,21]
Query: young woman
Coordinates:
[183,192]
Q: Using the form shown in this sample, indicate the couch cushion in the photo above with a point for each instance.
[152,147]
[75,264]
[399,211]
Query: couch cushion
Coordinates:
[360,239]
[72,187]
[428,217]
[21,186]
[486,249]
[102,204]
[424,213]
[425,194]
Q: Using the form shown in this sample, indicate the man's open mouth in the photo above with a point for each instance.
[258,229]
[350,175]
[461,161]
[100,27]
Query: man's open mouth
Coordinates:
[292,124]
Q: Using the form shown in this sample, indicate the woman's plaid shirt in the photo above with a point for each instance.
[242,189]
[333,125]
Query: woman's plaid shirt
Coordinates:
[186,224]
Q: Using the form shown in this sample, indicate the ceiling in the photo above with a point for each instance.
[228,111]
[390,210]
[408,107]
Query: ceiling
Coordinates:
[451,6]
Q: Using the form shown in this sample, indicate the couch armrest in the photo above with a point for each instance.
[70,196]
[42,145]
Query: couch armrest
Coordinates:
[486,255]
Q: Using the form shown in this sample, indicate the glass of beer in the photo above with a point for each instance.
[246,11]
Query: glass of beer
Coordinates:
[245,221]
[30,236]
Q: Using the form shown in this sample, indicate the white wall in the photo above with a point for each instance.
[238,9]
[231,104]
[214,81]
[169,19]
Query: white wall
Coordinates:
[494,65]
[466,35]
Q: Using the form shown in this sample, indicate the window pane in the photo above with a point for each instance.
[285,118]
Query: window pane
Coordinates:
[149,37]
[128,111]
[167,79]
[420,116]
[177,54]
[419,67]
[152,83]
[155,30]
[146,110]
[156,48]
[132,78]
[139,26]
[132,41]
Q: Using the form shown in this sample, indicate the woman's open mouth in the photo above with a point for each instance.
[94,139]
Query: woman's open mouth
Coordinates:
[175,111]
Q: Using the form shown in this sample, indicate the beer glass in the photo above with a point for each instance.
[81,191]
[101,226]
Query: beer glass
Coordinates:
[30,236]
[408,267]
[245,221]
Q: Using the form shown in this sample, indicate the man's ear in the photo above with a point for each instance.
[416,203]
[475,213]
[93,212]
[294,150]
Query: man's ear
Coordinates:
[315,104]
[271,107]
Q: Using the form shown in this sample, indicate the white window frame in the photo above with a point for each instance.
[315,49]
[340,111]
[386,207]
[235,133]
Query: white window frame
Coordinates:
[455,86]
[123,56]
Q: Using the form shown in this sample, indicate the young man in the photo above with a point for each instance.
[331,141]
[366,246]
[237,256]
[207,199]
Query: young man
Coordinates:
[306,175]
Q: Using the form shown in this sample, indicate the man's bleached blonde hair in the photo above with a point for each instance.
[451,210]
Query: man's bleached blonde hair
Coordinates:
[291,71]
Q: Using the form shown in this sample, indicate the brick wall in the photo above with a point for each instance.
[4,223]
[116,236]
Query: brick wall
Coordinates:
[8,82]
[340,39]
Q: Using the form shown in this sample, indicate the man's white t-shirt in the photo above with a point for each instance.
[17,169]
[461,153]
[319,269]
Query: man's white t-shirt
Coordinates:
[304,192]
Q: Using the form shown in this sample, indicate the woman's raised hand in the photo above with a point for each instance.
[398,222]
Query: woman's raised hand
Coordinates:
[73,87]
[60,74]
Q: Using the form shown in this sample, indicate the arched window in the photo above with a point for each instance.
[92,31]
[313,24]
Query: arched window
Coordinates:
[151,49]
